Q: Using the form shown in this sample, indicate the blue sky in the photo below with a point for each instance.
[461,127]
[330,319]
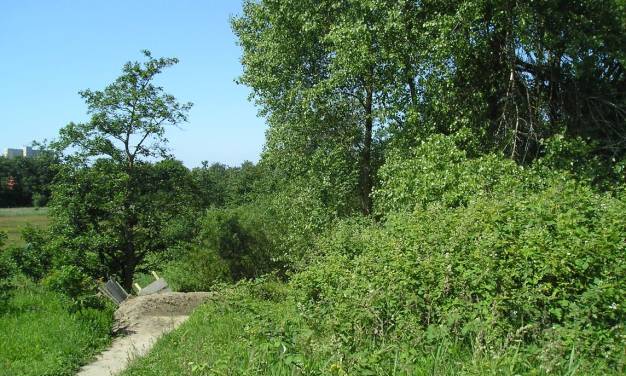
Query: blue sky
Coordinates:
[52,49]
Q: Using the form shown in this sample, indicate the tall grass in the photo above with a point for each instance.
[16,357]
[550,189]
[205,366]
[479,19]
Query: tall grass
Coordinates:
[40,336]
[257,330]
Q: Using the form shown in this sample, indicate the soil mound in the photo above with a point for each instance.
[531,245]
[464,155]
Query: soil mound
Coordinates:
[135,311]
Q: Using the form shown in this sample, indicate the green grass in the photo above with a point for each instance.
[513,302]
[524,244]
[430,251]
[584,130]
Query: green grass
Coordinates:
[13,220]
[244,333]
[39,336]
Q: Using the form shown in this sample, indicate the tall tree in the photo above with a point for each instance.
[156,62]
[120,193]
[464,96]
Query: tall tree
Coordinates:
[105,197]
[317,71]
[340,79]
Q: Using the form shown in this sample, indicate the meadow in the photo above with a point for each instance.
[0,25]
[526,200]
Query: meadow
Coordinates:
[40,335]
[14,220]
[41,331]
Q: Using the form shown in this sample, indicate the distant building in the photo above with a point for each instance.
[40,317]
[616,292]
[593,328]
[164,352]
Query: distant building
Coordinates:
[13,153]
[30,152]
[25,152]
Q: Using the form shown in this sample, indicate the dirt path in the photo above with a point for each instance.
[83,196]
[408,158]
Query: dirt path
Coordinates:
[144,319]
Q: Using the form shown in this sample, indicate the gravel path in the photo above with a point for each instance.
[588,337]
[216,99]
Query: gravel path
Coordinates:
[144,319]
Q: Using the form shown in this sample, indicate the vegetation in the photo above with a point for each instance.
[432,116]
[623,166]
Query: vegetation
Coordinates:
[14,220]
[442,191]
[255,329]
[25,182]
[50,327]
[41,337]
[108,201]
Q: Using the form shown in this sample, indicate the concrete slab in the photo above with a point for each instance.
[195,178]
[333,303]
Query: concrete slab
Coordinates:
[158,286]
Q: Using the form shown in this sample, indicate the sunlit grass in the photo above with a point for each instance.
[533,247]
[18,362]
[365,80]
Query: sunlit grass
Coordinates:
[40,336]
[13,221]
[243,334]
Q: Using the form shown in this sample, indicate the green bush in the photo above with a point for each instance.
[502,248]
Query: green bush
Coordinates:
[34,259]
[437,171]
[40,200]
[198,269]
[72,282]
[232,244]
[539,268]
[236,236]
[8,270]
[291,219]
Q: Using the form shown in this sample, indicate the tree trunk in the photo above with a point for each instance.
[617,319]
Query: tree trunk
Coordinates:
[128,274]
[130,259]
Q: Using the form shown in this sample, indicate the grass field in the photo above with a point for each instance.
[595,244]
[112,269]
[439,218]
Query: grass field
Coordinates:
[40,336]
[13,220]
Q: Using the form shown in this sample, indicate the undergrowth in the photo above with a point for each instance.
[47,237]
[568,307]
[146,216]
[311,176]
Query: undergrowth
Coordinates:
[39,335]
[257,328]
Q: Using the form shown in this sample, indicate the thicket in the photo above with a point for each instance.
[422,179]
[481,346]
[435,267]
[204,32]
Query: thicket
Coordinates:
[438,177]
[488,263]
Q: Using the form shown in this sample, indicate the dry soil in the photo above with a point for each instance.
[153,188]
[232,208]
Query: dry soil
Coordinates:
[142,320]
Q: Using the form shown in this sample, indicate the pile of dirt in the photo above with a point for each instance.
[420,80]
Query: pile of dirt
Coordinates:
[135,311]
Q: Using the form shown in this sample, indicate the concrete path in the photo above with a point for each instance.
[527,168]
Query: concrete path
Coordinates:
[144,319]
[125,349]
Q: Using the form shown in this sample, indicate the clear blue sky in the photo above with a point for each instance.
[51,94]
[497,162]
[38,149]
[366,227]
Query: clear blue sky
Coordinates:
[52,49]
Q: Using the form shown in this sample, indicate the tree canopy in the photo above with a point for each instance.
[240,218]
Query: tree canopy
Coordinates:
[110,203]
[341,81]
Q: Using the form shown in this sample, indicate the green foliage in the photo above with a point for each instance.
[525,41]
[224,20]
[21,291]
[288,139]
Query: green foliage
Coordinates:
[8,270]
[44,338]
[219,185]
[253,335]
[34,259]
[39,200]
[72,282]
[540,269]
[197,269]
[32,177]
[577,157]
[110,203]
[235,235]
[292,218]
[438,171]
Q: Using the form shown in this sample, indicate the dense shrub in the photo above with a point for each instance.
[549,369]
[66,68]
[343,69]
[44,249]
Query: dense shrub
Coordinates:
[231,245]
[492,268]
[34,259]
[7,273]
[437,171]
[236,236]
[291,219]
[76,285]
[198,269]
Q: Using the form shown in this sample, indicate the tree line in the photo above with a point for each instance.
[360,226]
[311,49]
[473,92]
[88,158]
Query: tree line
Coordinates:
[27,181]
[342,81]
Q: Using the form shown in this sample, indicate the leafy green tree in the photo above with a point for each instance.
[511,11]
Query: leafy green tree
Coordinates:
[340,80]
[317,71]
[110,204]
